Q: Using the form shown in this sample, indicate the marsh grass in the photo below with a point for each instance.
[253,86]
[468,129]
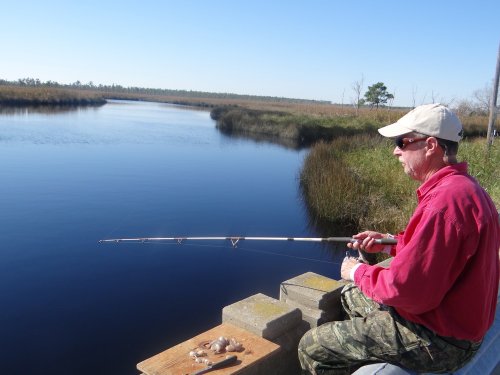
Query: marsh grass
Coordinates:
[303,129]
[306,128]
[31,96]
[356,180]
[484,165]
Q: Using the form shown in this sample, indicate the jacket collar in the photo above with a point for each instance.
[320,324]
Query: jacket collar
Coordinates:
[458,168]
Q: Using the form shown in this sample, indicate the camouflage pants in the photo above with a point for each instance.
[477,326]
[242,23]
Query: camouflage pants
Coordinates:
[373,333]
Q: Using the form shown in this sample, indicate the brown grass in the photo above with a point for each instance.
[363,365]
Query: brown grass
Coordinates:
[23,96]
[356,181]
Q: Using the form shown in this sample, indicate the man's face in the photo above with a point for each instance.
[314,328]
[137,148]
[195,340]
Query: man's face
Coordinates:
[411,155]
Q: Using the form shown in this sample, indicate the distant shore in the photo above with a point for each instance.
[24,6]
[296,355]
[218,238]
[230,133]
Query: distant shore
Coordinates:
[18,96]
[281,120]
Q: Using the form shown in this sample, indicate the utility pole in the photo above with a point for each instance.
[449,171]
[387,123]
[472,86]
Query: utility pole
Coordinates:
[493,103]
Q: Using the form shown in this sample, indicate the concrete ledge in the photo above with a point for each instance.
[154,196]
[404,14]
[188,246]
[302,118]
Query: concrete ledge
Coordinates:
[262,315]
[313,291]
[315,317]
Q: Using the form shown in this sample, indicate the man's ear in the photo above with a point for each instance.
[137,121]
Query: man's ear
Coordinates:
[432,145]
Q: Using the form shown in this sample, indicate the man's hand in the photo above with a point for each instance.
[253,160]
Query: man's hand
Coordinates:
[366,242]
[346,267]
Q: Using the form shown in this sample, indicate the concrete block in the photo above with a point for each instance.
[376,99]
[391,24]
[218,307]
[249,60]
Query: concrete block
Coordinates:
[316,317]
[313,291]
[286,361]
[289,341]
[262,315]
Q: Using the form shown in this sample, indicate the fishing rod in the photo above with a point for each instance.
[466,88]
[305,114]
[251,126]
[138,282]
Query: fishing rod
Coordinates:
[235,239]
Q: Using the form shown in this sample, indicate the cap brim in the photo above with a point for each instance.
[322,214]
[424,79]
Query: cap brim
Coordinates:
[394,130]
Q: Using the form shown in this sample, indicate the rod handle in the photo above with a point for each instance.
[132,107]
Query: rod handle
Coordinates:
[381,241]
[387,241]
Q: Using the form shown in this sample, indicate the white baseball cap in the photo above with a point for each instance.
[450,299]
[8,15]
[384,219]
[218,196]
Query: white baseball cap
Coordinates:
[434,120]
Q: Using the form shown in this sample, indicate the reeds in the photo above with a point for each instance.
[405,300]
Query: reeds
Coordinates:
[36,96]
[484,164]
[307,128]
[303,129]
[356,181]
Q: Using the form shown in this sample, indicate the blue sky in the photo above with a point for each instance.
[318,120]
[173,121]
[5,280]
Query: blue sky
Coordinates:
[302,49]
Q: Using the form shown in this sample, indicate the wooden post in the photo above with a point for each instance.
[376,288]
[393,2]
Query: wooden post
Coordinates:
[493,103]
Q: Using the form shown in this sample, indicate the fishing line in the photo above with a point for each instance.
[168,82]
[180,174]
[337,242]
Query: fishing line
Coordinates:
[252,250]
[119,223]
[289,256]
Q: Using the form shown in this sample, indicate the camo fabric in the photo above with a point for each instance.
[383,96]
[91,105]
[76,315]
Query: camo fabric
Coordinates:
[375,333]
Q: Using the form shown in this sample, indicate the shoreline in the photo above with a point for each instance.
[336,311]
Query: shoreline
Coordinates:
[19,96]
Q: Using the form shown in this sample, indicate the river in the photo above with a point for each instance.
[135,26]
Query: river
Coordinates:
[133,169]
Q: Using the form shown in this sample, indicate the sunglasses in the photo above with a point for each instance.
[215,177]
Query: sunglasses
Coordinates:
[402,142]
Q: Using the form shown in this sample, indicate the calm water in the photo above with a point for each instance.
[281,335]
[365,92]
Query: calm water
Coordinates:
[73,306]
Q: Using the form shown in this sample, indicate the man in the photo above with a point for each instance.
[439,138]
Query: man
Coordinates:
[430,309]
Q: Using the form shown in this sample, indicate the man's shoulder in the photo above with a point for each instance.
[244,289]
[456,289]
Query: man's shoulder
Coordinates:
[459,188]
[458,199]
[462,192]
[459,180]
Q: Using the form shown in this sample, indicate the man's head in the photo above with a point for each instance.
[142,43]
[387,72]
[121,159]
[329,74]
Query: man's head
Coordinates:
[434,120]
[426,139]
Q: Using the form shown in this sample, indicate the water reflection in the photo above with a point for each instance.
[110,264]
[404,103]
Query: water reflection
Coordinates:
[287,143]
[325,228]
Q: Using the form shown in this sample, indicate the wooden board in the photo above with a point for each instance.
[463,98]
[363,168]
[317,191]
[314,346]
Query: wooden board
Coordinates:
[176,360]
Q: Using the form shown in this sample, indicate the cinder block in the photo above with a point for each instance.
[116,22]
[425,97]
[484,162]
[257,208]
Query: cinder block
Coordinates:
[313,291]
[262,315]
[286,361]
[316,317]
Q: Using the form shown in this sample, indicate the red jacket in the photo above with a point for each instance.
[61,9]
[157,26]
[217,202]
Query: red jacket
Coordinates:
[445,272]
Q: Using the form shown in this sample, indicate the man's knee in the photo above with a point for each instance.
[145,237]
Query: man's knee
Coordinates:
[306,362]
[307,344]
[355,303]
[324,347]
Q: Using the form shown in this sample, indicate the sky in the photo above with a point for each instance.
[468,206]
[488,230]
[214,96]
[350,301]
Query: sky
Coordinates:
[423,51]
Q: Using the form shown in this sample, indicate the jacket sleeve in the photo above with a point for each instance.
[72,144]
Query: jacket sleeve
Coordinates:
[423,269]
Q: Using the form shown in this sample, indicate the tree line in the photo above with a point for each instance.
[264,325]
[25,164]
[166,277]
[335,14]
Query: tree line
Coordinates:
[113,88]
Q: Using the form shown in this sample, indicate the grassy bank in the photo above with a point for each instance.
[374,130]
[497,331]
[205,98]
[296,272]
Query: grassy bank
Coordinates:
[305,128]
[357,181]
[28,89]
[28,96]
